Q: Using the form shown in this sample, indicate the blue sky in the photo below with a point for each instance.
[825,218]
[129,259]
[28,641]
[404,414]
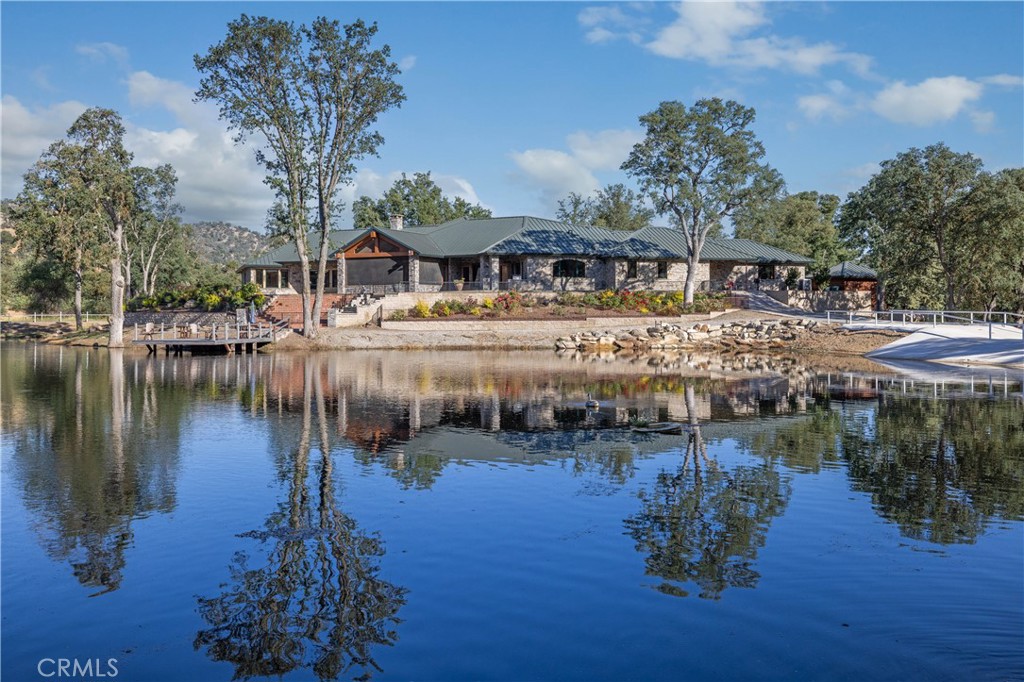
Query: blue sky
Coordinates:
[514,105]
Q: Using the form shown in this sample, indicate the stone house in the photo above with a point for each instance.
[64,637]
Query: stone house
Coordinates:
[526,254]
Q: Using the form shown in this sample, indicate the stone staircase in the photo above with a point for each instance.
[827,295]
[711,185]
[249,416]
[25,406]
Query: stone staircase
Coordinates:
[288,307]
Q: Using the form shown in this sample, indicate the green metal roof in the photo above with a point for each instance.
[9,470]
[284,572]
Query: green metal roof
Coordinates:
[527,235]
[850,270]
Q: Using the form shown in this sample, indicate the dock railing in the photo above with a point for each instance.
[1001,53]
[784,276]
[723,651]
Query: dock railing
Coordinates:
[218,332]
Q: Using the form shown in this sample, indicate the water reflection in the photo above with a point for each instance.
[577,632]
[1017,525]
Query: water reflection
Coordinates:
[703,524]
[94,439]
[314,599]
[93,451]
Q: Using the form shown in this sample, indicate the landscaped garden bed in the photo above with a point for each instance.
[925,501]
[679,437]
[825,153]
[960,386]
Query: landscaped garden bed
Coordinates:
[564,306]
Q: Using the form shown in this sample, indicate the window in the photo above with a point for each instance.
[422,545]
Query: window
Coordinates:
[662,269]
[766,272]
[631,269]
[517,268]
[569,268]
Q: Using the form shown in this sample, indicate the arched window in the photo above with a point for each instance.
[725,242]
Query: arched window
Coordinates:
[569,267]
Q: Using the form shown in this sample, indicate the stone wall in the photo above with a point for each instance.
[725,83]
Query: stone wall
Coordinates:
[647,275]
[820,301]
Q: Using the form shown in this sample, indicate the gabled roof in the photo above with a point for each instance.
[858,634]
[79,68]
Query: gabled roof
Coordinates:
[528,235]
[755,252]
[850,270]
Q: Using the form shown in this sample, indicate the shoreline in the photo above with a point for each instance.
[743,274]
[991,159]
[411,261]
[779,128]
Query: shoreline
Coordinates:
[816,338]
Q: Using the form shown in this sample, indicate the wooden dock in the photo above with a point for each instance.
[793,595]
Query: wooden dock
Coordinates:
[216,339]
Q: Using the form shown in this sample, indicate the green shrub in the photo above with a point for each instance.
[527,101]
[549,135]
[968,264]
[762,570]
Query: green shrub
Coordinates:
[397,315]
[441,309]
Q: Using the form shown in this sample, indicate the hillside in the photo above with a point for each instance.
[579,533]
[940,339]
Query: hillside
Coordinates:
[222,243]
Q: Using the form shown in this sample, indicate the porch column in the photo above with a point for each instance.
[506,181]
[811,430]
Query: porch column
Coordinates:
[495,272]
[342,275]
[414,272]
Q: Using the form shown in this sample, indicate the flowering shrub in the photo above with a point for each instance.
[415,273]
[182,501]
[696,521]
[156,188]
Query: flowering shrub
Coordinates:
[421,309]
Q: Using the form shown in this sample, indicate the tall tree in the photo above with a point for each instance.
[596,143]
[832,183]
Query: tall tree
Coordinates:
[699,165]
[313,94]
[419,200]
[103,174]
[614,207]
[154,225]
[55,217]
[909,218]
[992,252]
[803,223]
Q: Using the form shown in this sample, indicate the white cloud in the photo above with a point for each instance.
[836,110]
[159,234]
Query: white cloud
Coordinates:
[836,104]
[26,135]
[983,121]
[103,52]
[721,34]
[604,150]
[555,174]
[217,179]
[1003,80]
[370,183]
[707,31]
[407,62]
[605,23]
[930,101]
[815,107]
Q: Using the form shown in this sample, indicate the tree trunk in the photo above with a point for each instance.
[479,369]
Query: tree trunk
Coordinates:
[307,322]
[79,281]
[116,293]
[321,271]
[691,274]
[321,276]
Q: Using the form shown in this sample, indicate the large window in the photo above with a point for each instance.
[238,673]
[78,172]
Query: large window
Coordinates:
[631,269]
[662,269]
[569,268]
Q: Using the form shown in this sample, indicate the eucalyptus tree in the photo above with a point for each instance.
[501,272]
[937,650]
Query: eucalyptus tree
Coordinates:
[699,165]
[55,218]
[100,184]
[313,94]
[420,201]
[154,226]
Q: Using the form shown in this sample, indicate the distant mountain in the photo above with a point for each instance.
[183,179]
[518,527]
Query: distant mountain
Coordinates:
[221,243]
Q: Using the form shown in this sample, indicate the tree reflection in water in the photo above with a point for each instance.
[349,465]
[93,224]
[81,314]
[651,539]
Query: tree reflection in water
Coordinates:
[703,525]
[94,450]
[317,601]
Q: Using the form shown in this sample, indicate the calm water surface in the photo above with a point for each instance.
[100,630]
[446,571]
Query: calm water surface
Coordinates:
[465,516]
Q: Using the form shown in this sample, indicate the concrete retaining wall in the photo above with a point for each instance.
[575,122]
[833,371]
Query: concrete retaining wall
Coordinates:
[514,324]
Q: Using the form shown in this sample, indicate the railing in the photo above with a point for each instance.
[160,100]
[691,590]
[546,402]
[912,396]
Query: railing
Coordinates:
[59,316]
[928,316]
[217,332]
[933,317]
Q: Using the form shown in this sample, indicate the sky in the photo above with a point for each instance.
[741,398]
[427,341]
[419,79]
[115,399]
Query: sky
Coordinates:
[515,105]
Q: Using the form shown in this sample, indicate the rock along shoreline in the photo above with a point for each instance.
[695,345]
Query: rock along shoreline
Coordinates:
[745,335]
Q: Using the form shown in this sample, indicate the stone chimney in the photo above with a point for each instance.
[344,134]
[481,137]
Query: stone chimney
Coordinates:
[397,220]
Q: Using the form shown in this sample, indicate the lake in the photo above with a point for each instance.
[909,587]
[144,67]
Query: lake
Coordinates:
[466,515]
